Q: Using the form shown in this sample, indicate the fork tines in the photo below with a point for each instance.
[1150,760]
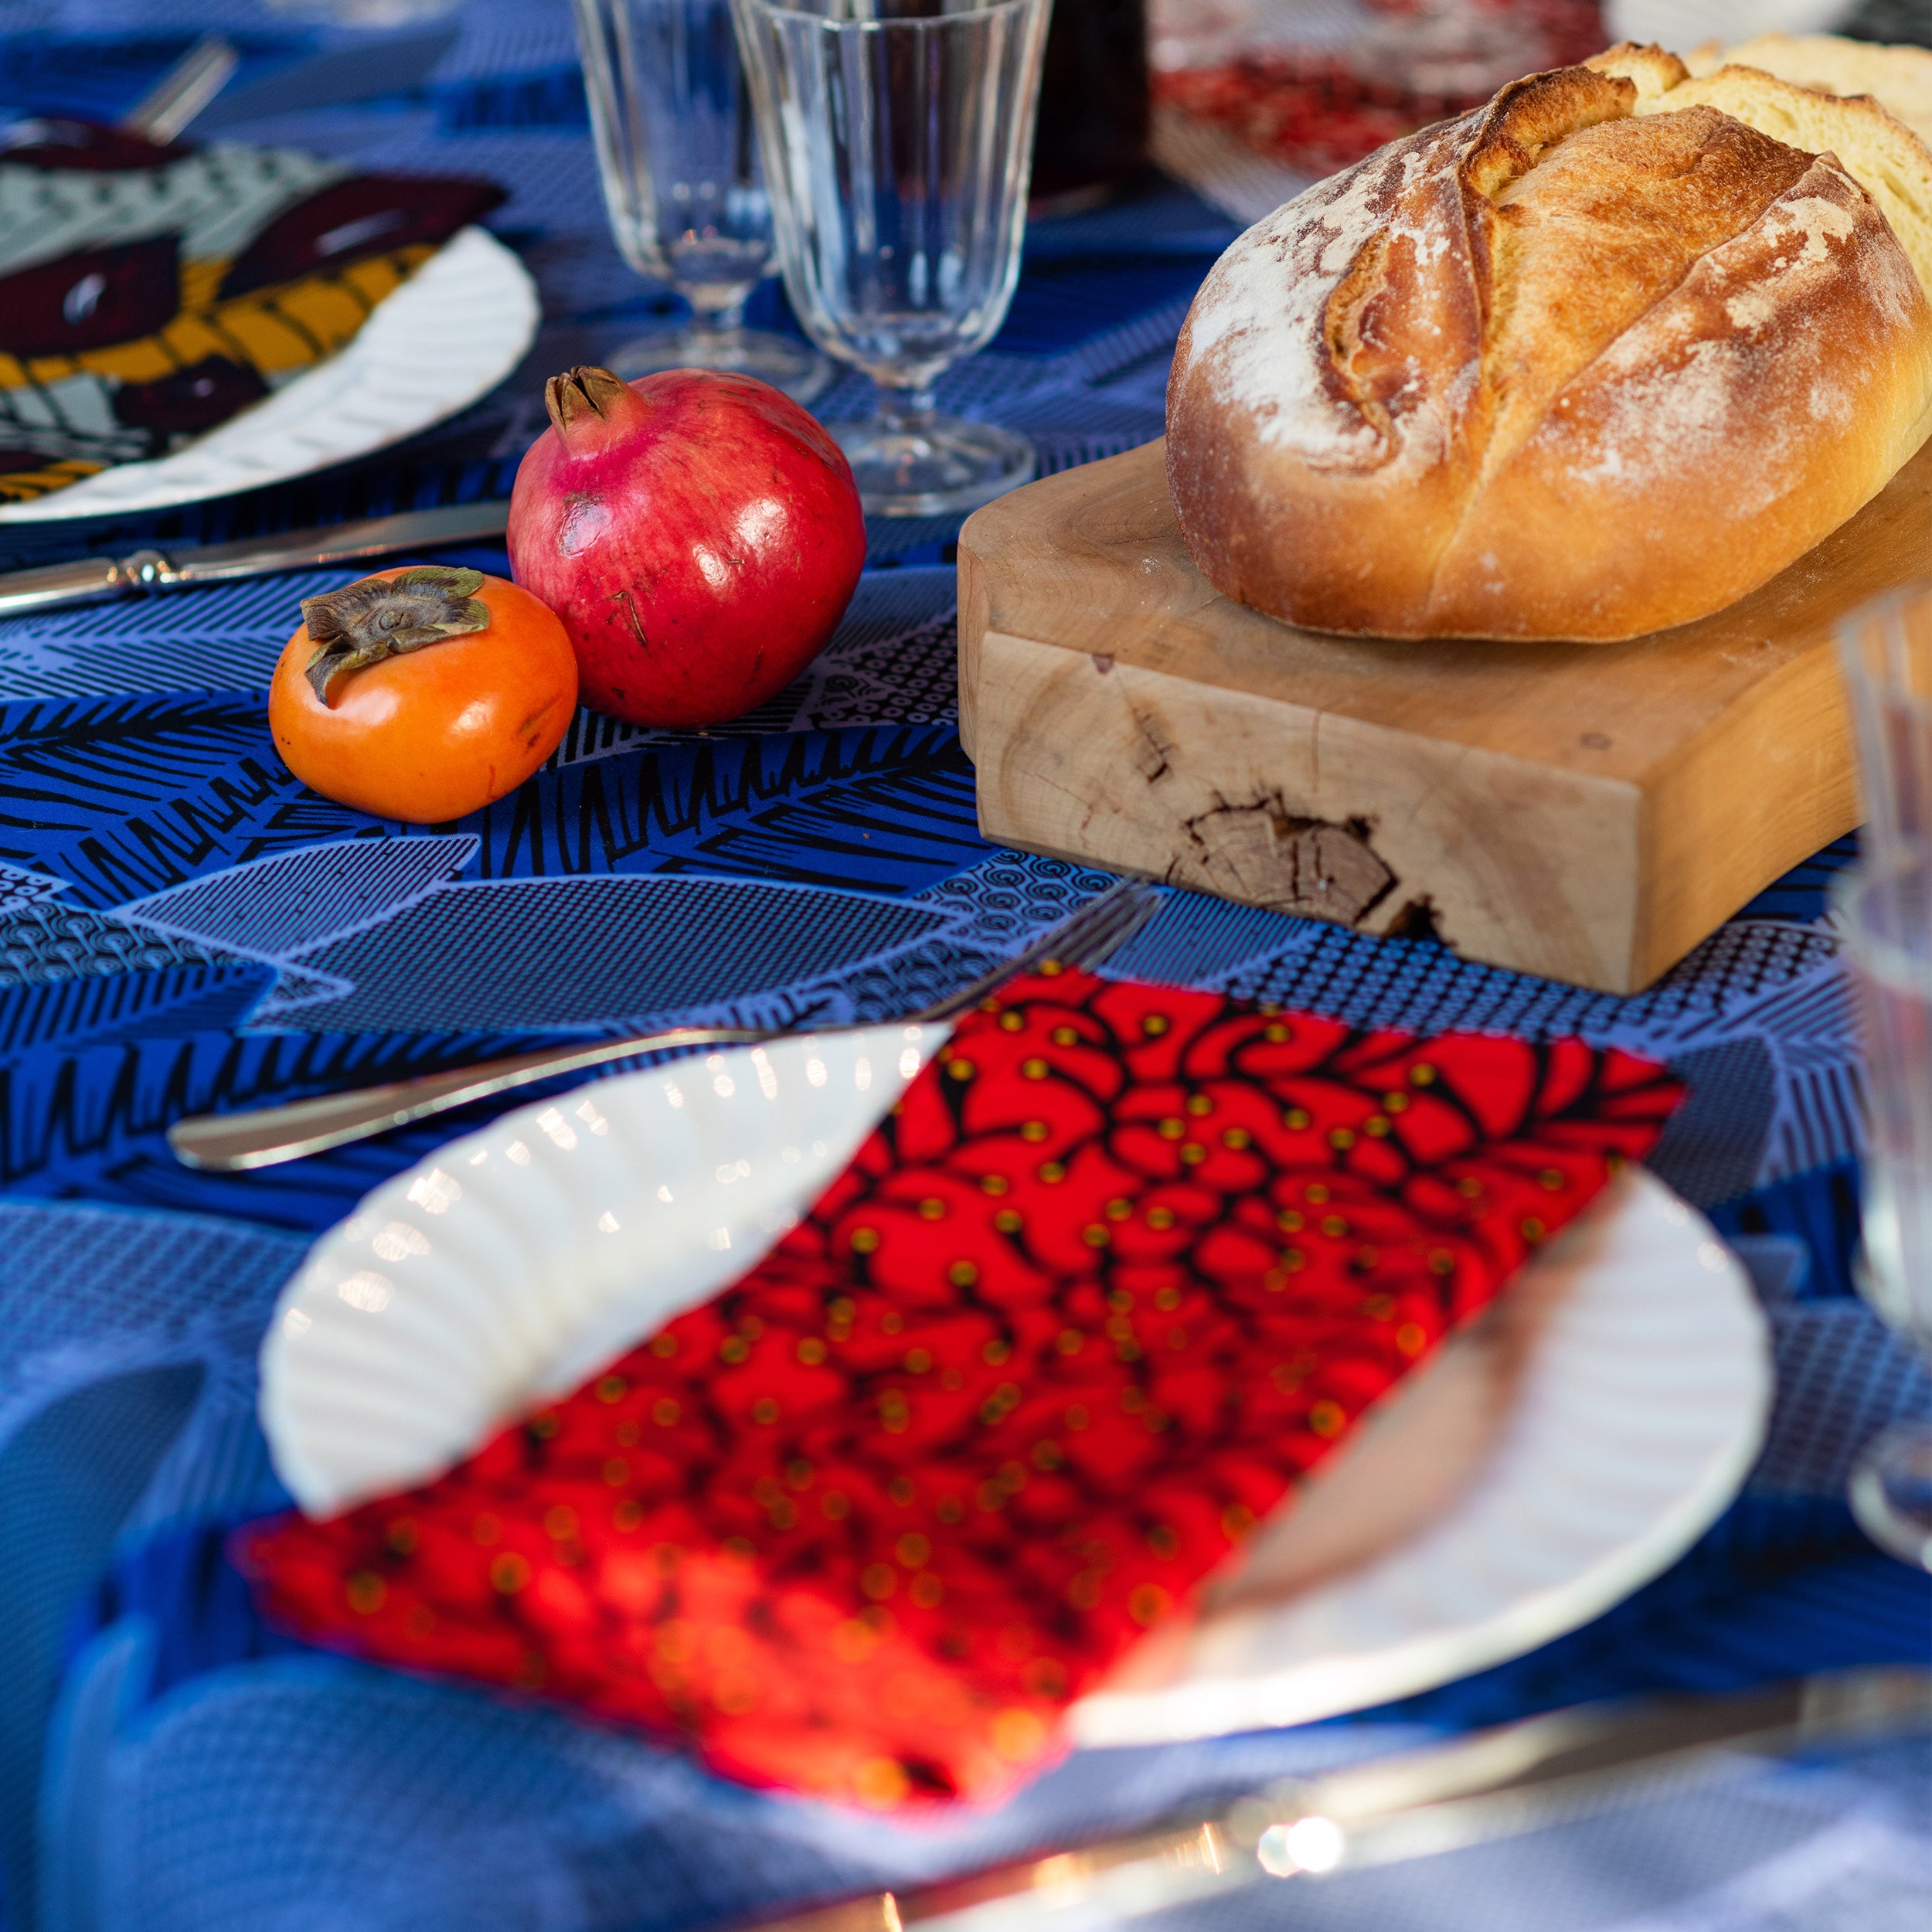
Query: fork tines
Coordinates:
[1087,935]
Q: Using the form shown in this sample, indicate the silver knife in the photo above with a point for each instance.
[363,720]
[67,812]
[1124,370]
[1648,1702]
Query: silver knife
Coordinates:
[1492,1784]
[184,91]
[91,579]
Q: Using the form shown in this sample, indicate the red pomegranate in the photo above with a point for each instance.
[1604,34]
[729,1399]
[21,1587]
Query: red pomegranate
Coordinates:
[698,534]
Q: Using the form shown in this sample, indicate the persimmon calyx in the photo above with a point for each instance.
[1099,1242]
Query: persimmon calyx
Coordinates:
[378,618]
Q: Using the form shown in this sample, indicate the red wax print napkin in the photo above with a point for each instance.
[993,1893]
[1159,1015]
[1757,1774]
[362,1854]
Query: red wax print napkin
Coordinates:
[1123,1264]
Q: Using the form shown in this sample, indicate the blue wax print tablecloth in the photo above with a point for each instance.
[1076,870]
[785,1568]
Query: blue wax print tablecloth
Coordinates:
[182,926]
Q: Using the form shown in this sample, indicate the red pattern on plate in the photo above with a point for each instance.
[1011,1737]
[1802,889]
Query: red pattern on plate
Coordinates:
[1319,109]
[1121,1269]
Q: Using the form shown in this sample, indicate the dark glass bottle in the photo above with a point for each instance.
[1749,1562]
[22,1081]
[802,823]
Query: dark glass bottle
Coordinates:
[1091,136]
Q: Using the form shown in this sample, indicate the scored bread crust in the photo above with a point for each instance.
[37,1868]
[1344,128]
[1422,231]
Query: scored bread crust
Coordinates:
[1551,369]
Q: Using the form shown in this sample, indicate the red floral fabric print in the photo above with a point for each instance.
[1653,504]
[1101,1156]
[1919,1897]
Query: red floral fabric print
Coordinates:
[1120,1269]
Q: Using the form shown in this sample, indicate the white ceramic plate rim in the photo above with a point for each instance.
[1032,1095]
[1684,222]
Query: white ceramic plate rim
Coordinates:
[447,337]
[1654,1259]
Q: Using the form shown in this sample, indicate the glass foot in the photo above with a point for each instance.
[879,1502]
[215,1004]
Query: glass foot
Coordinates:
[934,466]
[1890,1492]
[783,361]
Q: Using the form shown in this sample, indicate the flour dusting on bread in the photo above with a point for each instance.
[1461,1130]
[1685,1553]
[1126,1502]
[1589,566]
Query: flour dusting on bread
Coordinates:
[1256,326]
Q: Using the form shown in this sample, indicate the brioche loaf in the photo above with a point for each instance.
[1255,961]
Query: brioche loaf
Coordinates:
[1584,363]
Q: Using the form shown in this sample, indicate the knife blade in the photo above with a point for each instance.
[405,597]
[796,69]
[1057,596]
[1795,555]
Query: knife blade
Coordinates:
[49,587]
[1492,1784]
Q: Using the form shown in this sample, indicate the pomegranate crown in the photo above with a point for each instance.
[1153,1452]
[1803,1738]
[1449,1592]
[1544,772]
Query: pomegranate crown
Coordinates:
[578,393]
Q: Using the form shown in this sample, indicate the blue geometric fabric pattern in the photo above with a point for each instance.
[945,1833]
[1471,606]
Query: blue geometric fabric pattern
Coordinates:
[184,927]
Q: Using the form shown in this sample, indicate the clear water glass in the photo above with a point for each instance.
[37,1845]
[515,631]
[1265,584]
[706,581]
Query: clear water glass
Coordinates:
[1885,650]
[898,139]
[1885,912]
[679,158]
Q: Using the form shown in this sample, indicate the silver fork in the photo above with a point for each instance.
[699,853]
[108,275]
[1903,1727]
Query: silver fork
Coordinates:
[267,1136]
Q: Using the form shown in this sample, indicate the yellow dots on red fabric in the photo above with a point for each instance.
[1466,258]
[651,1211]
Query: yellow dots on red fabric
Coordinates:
[1071,1321]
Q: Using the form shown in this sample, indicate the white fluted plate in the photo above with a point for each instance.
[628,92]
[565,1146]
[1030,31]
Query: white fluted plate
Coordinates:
[445,338]
[1557,1455]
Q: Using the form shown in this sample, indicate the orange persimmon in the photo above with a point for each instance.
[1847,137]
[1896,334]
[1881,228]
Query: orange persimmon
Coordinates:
[422,693]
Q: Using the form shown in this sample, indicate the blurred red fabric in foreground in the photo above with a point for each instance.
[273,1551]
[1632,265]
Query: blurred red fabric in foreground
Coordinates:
[1120,1269]
[1317,110]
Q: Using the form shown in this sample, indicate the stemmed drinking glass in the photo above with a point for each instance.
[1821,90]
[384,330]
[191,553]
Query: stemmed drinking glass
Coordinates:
[898,139]
[1884,914]
[679,163]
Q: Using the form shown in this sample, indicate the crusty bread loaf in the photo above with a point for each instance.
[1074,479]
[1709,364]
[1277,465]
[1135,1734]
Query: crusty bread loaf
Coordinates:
[1900,79]
[1576,364]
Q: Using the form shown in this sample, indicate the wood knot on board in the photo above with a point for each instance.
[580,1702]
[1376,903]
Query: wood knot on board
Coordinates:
[1264,853]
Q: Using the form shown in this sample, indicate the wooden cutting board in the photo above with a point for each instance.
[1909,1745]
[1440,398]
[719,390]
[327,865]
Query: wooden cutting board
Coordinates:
[1588,812]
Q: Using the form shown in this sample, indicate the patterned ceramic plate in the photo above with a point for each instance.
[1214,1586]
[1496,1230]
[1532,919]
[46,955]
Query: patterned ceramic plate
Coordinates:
[1562,1451]
[447,337]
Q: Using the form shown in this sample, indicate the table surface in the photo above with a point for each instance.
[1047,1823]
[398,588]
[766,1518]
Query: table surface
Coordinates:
[182,925]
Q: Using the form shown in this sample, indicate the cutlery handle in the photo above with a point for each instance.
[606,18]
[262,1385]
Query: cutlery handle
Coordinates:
[48,586]
[267,1136]
[87,579]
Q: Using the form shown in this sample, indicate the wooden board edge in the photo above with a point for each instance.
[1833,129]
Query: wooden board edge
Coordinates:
[1295,793]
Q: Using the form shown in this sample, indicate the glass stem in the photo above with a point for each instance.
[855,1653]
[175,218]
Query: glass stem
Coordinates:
[717,323]
[905,412]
